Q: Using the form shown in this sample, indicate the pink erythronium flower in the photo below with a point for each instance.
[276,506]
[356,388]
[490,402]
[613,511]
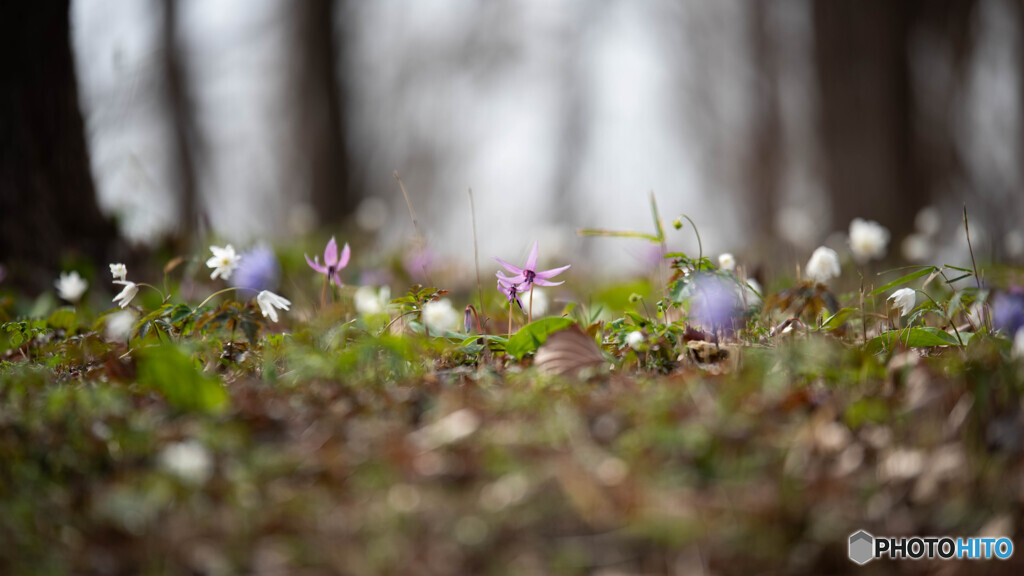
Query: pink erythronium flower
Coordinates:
[528,275]
[332,263]
[510,289]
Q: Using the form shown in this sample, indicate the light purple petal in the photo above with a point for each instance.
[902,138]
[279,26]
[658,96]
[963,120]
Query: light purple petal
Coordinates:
[531,260]
[315,265]
[510,280]
[346,253]
[331,253]
[545,274]
[337,279]
[509,267]
[542,282]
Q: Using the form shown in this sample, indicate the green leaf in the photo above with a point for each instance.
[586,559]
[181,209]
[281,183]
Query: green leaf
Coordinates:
[836,320]
[531,336]
[904,279]
[170,370]
[919,337]
[62,319]
[616,234]
[657,220]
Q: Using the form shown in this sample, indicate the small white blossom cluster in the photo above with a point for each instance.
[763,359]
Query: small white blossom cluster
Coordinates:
[439,316]
[71,286]
[190,461]
[823,265]
[868,240]
[372,302]
[635,339]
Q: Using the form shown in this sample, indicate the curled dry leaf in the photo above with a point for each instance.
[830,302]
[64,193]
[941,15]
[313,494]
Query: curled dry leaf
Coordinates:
[712,357]
[568,351]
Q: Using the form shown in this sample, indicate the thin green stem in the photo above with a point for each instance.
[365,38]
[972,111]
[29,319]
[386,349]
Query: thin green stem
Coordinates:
[217,293]
[974,264]
[160,292]
[700,245]
[529,318]
[323,292]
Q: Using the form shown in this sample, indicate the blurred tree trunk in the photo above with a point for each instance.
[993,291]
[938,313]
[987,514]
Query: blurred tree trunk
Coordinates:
[767,145]
[321,130]
[183,120]
[866,111]
[47,198]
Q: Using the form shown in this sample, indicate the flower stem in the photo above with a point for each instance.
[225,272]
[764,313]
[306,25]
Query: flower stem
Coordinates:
[211,296]
[510,317]
[162,297]
[323,293]
[530,317]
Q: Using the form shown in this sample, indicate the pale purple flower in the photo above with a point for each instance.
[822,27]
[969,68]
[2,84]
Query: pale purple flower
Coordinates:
[257,270]
[528,275]
[1008,311]
[510,289]
[332,263]
[418,263]
[376,277]
[713,302]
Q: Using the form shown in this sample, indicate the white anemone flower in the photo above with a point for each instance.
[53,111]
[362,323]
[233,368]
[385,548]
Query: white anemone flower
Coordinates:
[118,326]
[750,292]
[904,300]
[190,461]
[372,302]
[635,339]
[726,261]
[127,293]
[823,265]
[224,262]
[540,301]
[71,286]
[440,316]
[269,302]
[119,271]
[868,240]
[916,247]
[1018,344]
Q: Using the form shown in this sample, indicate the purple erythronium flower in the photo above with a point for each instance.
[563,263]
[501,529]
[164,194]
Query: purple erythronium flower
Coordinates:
[332,264]
[257,270]
[510,289]
[528,275]
[1008,311]
[418,262]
